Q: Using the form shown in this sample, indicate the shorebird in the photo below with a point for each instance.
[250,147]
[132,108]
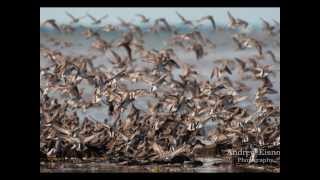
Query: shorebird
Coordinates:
[74,19]
[53,23]
[67,28]
[198,50]
[109,28]
[164,21]
[273,57]
[184,20]
[211,19]
[101,44]
[96,21]
[124,23]
[156,83]
[90,33]
[136,29]
[118,61]
[276,22]
[253,43]
[242,65]
[143,18]
[238,43]
[235,23]
[267,27]
[209,43]
[218,72]
[125,42]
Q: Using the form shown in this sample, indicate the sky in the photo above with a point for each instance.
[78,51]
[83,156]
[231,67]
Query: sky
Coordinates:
[252,15]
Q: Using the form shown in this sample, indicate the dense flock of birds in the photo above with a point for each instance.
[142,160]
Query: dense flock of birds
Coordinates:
[171,129]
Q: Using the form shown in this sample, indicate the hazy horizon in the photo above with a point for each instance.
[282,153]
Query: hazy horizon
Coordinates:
[252,15]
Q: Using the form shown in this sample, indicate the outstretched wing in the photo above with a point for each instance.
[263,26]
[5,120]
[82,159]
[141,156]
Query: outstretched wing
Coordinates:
[241,63]
[70,15]
[232,19]
[141,16]
[53,24]
[116,56]
[212,73]
[181,17]
[212,22]
[103,17]
[237,42]
[91,17]
[265,23]
[259,48]
[166,23]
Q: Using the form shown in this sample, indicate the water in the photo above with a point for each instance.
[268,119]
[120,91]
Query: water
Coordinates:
[105,167]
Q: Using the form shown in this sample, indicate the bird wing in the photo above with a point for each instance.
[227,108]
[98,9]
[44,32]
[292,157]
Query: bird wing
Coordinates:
[253,62]
[70,15]
[116,56]
[276,22]
[123,22]
[202,19]
[103,17]
[160,80]
[91,17]
[181,17]
[141,16]
[199,36]
[166,24]
[213,23]
[264,22]
[128,49]
[227,69]
[259,48]
[232,19]
[237,42]
[243,22]
[55,26]
[197,48]
[241,63]
[271,91]
[81,17]
[272,55]
[174,62]
[212,72]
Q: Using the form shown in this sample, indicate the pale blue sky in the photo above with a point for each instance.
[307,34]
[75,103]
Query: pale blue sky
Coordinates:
[252,15]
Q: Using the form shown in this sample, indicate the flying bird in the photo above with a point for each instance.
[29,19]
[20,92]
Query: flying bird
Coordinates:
[126,41]
[143,18]
[234,23]
[211,19]
[164,21]
[95,20]
[53,23]
[267,27]
[273,57]
[184,20]
[74,19]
